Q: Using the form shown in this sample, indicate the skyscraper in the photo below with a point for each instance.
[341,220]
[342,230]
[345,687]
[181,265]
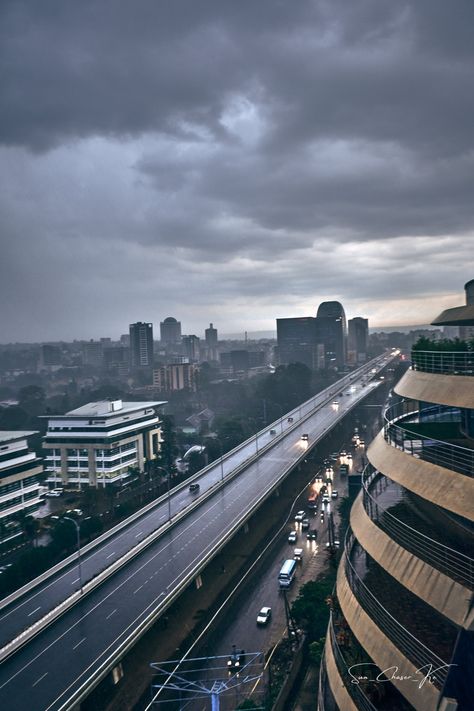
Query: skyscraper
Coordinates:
[170,331]
[141,345]
[298,342]
[358,340]
[331,330]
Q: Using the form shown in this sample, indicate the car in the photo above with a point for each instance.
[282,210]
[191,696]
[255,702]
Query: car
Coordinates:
[236,660]
[336,545]
[74,512]
[194,487]
[343,453]
[293,537]
[322,516]
[290,419]
[361,443]
[305,524]
[273,432]
[341,394]
[334,494]
[304,437]
[335,402]
[326,499]
[349,455]
[298,554]
[300,515]
[348,392]
[264,616]
[54,493]
[312,534]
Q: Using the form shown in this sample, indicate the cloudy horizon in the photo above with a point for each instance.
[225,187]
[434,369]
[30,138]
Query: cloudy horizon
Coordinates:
[233,163]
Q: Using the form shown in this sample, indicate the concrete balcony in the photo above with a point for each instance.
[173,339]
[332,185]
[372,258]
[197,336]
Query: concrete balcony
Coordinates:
[443,362]
[457,390]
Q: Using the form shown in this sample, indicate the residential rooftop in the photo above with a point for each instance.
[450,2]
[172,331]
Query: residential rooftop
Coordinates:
[109,408]
[12,435]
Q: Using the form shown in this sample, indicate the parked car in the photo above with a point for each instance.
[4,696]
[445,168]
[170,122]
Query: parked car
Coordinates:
[264,616]
[293,537]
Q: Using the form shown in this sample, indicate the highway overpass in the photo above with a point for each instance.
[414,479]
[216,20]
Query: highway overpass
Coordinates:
[148,561]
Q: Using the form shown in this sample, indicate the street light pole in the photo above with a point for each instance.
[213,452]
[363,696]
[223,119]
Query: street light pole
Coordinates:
[168,477]
[78,533]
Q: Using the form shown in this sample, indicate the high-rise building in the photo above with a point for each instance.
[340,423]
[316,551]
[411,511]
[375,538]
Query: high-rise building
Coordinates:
[331,330]
[170,331]
[176,376]
[358,340]
[211,336]
[298,342]
[20,475]
[97,444]
[191,348]
[93,353]
[401,633]
[141,345]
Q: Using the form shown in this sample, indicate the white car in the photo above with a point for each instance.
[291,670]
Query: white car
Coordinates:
[298,554]
[264,616]
[293,537]
[300,515]
[334,494]
[54,493]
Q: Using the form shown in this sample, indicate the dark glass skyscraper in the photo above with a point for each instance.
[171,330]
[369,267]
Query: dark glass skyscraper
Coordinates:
[331,330]
[141,345]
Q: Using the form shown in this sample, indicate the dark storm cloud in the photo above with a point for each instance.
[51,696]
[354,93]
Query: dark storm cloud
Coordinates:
[263,142]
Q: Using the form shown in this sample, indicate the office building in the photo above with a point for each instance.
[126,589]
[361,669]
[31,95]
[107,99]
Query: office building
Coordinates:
[170,331]
[20,476]
[357,341]
[97,444]
[331,331]
[211,342]
[93,354]
[141,345]
[191,348]
[176,376]
[298,342]
[401,633]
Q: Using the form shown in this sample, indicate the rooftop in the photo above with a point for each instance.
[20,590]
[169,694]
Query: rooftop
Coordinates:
[109,408]
[12,435]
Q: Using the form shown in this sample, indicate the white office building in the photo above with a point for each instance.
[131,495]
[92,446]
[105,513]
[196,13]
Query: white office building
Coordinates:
[97,444]
[20,475]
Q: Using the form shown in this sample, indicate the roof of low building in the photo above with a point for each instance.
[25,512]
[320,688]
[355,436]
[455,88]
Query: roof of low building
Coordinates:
[11,435]
[459,316]
[110,408]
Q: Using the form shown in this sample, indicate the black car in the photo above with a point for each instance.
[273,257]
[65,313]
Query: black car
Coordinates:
[312,534]
[193,488]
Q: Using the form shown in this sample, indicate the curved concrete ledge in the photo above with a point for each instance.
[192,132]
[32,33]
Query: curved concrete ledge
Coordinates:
[447,596]
[336,684]
[448,489]
[380,648]
[450,390]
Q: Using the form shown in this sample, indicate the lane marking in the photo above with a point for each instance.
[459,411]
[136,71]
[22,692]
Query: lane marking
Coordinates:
[32,613]
[79,643]
[135,591]
[111,613]
[75,581]
[110,555]
[41,677]
[138,534]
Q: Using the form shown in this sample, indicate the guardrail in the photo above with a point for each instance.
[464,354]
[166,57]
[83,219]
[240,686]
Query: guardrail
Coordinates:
[411,647]
[435,451]
[355,689]
[443,362]
[452,563]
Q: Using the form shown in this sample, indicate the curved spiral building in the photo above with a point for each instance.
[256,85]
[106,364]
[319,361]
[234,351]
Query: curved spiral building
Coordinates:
[401,630]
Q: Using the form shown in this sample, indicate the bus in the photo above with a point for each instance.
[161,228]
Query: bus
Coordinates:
[287,573]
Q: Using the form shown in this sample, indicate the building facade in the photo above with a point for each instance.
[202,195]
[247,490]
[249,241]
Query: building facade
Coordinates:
[20,479]
[96,445]
[170,331]
[192,348]
[141,345]
[405,583]
[331,331]
[298,342]
[176,376]
[357,340]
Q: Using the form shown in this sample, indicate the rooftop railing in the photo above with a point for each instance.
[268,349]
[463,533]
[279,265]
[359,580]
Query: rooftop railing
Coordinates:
[443,362]
[456,565]
[398,433]
[411,647]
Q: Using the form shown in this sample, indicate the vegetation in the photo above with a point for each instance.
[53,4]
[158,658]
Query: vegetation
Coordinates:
[444,344]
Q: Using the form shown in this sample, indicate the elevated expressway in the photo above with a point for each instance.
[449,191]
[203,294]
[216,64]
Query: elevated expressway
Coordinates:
[133,575]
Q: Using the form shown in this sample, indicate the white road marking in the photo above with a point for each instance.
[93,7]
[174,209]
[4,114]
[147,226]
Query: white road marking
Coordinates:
[75,581]
[111,613]
[33,612]
[41,677]
[135,591]
[79,643]
[110,555]
[139,534]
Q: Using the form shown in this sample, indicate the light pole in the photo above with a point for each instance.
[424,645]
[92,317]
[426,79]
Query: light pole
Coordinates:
[78,533]
[222,456]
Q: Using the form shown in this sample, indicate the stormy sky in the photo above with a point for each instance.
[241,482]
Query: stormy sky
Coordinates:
[232,161]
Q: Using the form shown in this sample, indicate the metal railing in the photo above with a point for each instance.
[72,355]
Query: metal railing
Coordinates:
[411,647]
[355,690]
[443,362]
[435,451]
[451,562]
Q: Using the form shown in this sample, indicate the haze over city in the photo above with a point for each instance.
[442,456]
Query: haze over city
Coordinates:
[232,162]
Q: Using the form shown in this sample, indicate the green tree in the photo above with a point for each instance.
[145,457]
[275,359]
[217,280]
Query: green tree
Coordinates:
[311,608]
[169,450]
[32,399]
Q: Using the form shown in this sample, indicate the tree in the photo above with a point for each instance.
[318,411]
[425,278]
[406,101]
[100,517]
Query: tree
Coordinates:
[32,399]
[169,450]
[311,610]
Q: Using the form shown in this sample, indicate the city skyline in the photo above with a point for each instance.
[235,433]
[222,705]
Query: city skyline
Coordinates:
[232,163]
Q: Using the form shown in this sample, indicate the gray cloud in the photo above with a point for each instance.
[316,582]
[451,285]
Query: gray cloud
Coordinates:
[219,159]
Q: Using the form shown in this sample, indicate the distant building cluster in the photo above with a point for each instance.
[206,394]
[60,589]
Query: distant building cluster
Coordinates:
[324,340]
